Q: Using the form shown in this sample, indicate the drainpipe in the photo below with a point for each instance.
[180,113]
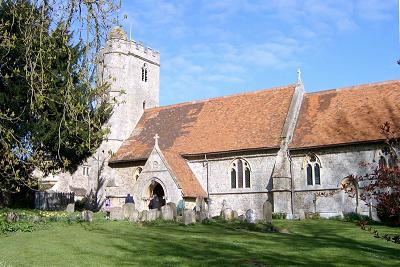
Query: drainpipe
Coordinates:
[208,193]
[291,183]
[206,162]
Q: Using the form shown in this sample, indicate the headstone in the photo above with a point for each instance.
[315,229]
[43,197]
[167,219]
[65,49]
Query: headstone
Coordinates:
[12,217]
[70,208]
[242,217]
[116,213]
[267,211]
[167,213]
[153,215]
[250,216]
[235,215]
[201,216]
[128,209]
[227,214]
[87,216]
[143,216]
[135,216]
[189,217]
[284,231]
[302,214]
[173,208]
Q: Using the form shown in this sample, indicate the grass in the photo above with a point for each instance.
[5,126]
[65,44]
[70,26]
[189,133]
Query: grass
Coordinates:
[112,243]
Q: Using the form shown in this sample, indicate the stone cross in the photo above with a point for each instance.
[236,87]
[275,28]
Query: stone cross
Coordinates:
[156,137]
[298,75]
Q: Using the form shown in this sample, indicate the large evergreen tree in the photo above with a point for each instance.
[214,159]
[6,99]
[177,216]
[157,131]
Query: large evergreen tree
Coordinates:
[51,113]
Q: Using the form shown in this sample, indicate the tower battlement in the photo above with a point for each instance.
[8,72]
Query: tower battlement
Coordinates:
[118,42]
[131,47]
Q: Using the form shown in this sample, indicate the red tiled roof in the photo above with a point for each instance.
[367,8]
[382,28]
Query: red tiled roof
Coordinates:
[347,115]
[244,121]
[187,181]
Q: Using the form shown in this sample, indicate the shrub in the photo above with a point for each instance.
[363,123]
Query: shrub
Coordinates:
[313,215]
[385,213]
[354,217]
[279,215]
[80,204]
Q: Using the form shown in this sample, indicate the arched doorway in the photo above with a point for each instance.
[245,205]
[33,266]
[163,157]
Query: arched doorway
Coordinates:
[156,189]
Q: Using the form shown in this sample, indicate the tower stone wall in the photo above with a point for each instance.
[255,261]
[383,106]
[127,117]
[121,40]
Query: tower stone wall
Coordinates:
[133,73]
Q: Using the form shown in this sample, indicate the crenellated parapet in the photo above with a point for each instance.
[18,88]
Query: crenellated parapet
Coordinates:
[118,42]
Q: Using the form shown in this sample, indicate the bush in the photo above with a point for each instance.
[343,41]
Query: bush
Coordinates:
[386,215]
[313,215]
[279,215]
[354,217]
[20,226]
[80,204]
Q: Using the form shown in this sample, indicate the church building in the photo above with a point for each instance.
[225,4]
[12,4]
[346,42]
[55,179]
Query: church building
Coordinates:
[281,145]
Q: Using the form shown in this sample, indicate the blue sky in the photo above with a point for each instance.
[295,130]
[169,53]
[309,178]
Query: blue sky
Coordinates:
[220,47]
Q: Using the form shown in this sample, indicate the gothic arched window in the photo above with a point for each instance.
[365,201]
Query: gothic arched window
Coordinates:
[137,172]
[386,158]
[240,173]
[382,162]
[144,73]
[233,178]
[313,170]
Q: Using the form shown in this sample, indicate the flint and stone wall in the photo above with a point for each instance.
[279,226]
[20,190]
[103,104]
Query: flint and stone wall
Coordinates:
[336,164]
[219,182]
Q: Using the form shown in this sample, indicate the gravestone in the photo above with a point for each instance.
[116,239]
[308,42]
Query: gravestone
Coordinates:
[167,213]
[153,215]
[116,213]
[302,214]
[267,211]
[173,208]
[70,208]
[135,216]
[201,216]
[242,217]
[235,215]
[143,216]
[189,217]
[87,216]
[250,216]
[128,209]
[12,217]
[227,214]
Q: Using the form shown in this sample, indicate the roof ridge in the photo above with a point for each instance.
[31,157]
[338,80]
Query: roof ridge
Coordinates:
[220,97]
[353,87]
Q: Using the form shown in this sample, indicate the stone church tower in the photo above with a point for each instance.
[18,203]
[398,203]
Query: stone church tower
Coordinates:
[133,72]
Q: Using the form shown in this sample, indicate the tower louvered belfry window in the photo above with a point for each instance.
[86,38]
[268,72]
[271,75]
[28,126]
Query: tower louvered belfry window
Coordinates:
[144,73]
[240,173]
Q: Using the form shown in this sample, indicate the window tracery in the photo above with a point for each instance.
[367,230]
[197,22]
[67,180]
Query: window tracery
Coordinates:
[313,170]
[240,173]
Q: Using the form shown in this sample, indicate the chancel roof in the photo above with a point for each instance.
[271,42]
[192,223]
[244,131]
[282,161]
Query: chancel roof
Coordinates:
[347,115]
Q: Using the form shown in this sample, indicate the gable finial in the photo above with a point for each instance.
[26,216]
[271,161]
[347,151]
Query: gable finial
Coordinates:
[156,137]
[299,76]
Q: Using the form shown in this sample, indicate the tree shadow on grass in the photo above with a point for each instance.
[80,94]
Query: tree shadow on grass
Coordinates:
[216,244]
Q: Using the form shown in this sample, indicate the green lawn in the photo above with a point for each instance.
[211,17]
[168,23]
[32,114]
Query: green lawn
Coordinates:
[105,243]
